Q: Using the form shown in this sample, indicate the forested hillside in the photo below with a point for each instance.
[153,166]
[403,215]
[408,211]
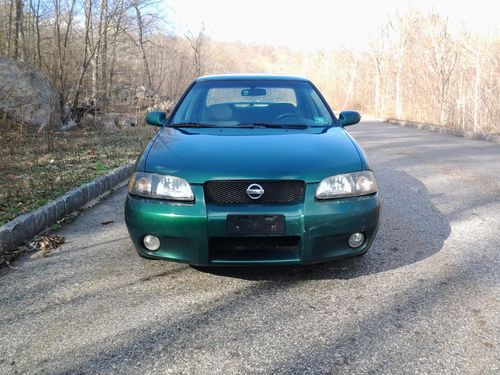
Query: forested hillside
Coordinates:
[117,55]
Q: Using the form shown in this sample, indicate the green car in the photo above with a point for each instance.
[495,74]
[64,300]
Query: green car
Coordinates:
[252,170]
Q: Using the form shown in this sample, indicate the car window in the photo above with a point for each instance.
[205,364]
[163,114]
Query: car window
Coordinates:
[241,102]
[219,95]
[320,113]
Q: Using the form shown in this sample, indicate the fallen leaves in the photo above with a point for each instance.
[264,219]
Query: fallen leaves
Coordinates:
[6,257]
[46,243]
[30,176]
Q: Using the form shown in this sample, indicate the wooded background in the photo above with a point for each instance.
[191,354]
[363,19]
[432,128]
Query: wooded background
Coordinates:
[117,55]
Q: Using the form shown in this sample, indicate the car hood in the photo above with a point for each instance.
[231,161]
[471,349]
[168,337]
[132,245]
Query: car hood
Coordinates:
[199,155]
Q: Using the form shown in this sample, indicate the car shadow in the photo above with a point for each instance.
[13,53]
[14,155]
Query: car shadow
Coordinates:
[411,229]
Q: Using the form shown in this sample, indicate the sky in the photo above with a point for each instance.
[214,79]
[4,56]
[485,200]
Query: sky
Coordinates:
[315,24]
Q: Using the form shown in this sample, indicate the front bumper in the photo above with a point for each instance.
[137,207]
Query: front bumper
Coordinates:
[315,231]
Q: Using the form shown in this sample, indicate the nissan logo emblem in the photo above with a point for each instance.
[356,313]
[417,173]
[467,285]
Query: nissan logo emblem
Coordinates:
[255,191]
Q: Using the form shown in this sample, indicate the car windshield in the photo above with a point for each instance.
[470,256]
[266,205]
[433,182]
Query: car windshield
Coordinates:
[267,103]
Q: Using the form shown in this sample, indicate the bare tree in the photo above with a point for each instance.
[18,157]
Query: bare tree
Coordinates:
[103,48]
[62,41]
[378,49]
[197,44]
[140,31]
[18,27]
[92,44]
[416,68]
[349,98]
[85,58]
[116,29]
[403,29]
[442,52]
[36,25]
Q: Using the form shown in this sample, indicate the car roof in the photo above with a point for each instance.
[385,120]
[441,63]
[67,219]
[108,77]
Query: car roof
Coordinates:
[229,77]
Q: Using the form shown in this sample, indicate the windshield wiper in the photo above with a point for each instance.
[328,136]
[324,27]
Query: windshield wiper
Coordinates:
[272,126]
[193,125]
[249,125]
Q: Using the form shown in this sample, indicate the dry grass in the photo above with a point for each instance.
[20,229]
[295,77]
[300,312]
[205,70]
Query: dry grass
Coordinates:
[36,168]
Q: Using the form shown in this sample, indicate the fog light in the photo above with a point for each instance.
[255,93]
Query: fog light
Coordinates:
[356,239]
[152,243]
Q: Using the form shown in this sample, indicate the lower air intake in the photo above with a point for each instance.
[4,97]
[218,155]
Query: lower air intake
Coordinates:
[254,248]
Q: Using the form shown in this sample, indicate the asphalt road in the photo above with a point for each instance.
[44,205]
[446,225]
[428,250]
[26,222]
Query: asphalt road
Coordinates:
[424,299]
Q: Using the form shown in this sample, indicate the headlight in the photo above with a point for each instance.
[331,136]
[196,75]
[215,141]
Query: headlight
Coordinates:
[152,185]
[347,185]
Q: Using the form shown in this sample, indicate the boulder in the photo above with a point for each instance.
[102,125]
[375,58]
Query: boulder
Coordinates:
[27,96]
[123,92]
[109,124]
[127,121]
[163,105]
[70,124]
[114,120]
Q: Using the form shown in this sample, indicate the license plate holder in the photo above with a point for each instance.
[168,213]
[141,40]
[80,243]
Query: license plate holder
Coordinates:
[255,224]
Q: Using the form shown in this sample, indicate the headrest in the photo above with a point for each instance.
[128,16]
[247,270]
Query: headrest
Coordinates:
[220,112]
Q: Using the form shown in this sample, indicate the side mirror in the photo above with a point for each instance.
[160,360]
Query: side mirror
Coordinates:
[349,118]
[156,118]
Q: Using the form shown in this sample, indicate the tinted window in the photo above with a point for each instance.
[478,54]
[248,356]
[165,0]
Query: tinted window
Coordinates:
[238,102]
[219,95]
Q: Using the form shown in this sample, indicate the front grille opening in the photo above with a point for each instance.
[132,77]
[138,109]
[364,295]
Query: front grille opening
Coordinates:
[234,191]
[254,248]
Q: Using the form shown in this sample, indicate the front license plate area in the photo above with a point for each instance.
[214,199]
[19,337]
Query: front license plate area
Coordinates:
[255,224]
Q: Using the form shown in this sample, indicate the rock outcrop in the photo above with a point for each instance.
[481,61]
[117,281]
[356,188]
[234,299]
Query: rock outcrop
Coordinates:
[27,96]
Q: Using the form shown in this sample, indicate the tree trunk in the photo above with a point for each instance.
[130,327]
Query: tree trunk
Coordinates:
[85,61]
[477,92]
[399,100]
[9,29]
[111,76]
[18,26]
[140,31]
[463,102]
[104,51]
[352,80]
[376,101]
[28,39]
[442,112]
[38,37]
[114,41]
[95,61]
[98,71]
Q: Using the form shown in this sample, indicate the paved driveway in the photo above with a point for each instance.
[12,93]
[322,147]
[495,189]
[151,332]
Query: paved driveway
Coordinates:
[424,299]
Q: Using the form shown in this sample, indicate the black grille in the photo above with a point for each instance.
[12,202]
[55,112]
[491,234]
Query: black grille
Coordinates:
[254,248]
[234,191]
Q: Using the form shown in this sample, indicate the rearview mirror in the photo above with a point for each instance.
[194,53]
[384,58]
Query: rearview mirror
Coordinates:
[253,92]
[156,118]
[349,118]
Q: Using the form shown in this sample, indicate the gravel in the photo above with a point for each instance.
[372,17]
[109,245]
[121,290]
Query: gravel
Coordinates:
[424,299]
